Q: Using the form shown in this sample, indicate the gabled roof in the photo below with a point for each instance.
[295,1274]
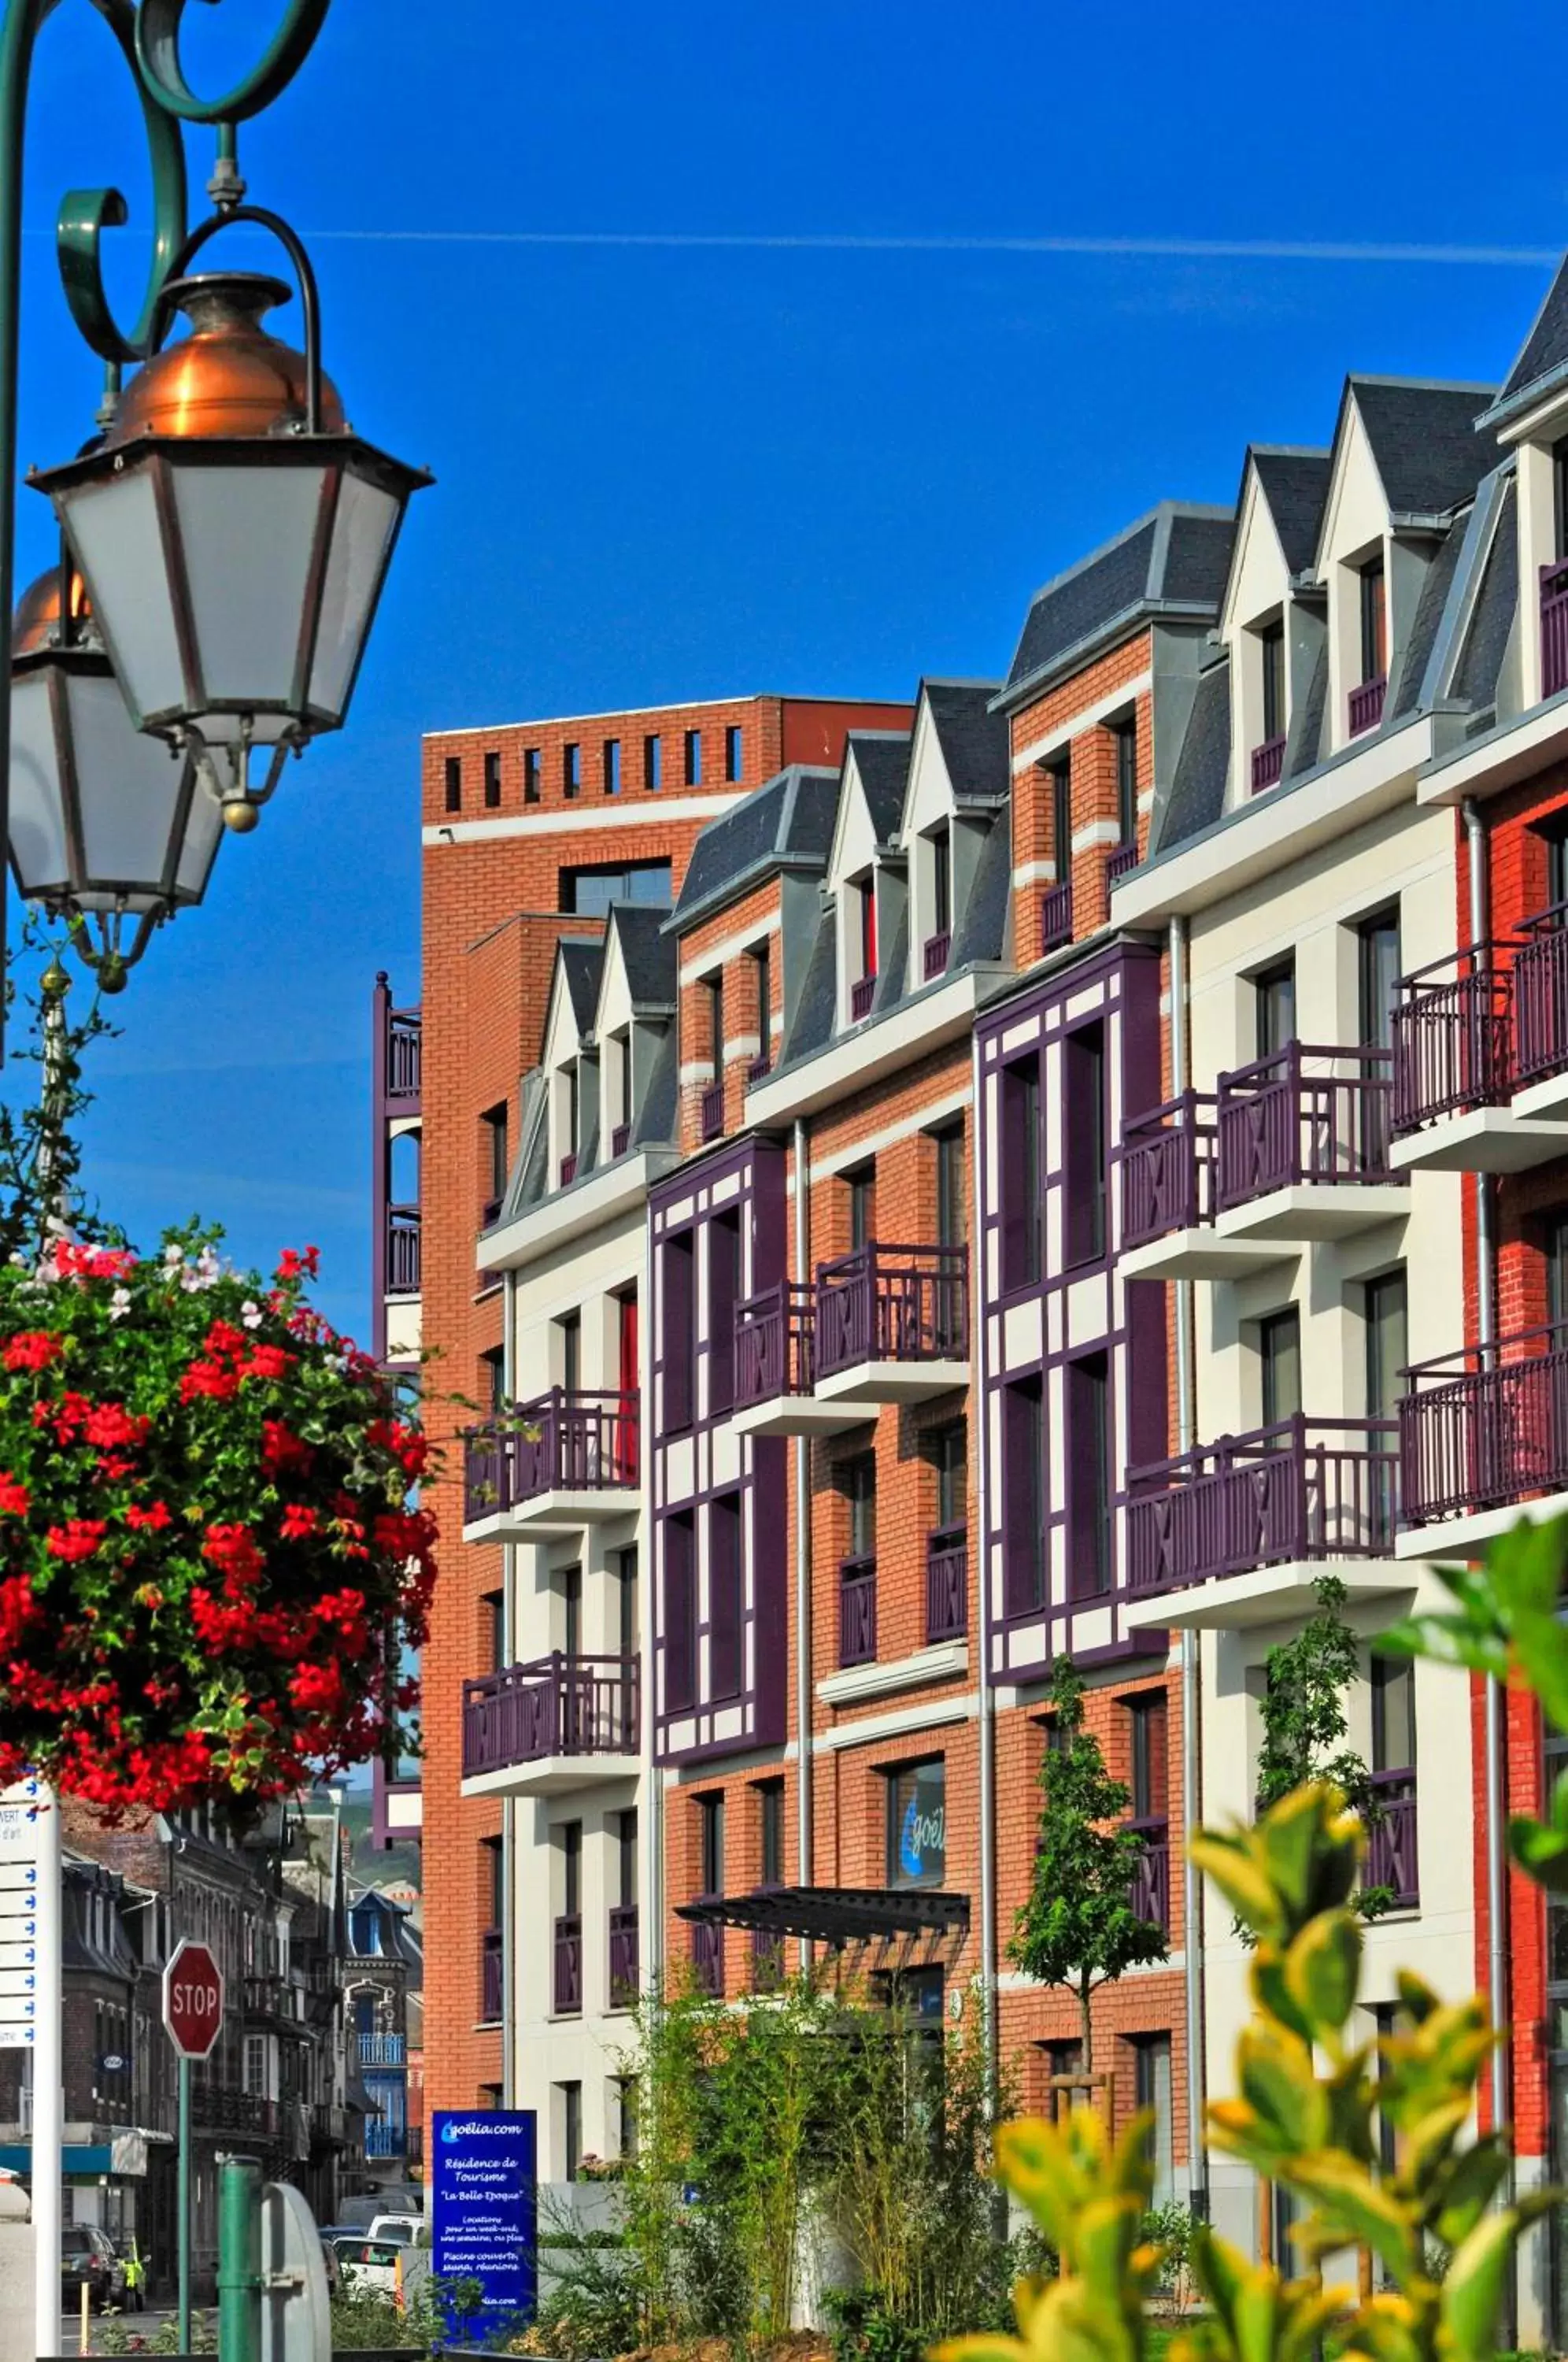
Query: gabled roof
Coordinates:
[1295,484]
[786,822]
[1173,562]
[973,739]
[1198,791]
[882,760]
[1542,362]
[1424,440]
[582,965]
[647,955]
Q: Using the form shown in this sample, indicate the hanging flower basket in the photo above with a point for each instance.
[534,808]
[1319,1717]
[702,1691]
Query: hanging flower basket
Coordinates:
[212,1562]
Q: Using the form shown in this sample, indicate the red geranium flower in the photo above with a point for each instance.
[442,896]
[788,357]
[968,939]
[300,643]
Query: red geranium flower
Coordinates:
[14,1500]
[151,1520]
[34,1349]
[266,1362]
[299,1521]
[78,1538]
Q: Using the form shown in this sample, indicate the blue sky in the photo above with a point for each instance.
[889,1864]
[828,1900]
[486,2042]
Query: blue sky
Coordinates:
[754,348]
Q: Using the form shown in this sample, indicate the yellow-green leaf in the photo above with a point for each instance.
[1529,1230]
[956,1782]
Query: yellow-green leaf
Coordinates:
[1368,2212]
[1322,1969]
[1474,2284]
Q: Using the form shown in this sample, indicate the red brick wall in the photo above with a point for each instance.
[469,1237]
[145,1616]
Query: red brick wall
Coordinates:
[1093,779]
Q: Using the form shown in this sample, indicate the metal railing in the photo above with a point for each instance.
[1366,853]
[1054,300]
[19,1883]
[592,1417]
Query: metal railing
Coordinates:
[861,995]
[1056,916]
[559,1443]
[405,1030]
[947,1583]
[1485,1427]
[1307,1115]
[1167,1169]
[620,1141]
[402,1250]
[490,1980]
[1452,1037]
[569,1169]
[384,2050]
[708,1957]
[1367,705]
[773,1344]
[857,1611]
[933,957]
[1554,628]
[1121,859]
[624,1956]
[1304,1488]
[556,1705]
[1268,764]
[759,1069]
[711,1112]
[1391,1857]
[383,2140]
[892,1304]
[1150,1895]
[1540,996]
[567,1989]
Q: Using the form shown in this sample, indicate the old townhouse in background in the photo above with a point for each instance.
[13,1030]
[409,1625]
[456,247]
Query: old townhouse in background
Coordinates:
[1061,1166]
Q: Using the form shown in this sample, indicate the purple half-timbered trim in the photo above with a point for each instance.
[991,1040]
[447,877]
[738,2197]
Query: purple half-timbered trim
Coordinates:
[727,1490]
[1077,1312]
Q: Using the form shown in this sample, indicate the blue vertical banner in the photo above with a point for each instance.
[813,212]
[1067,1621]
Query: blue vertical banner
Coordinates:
[485,2190]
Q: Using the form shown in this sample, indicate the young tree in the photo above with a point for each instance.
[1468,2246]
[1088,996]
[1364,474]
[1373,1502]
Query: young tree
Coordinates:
[1078,1927]
[1305,1725]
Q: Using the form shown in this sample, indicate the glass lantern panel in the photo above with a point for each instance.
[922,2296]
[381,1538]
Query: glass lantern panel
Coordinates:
[113,527]
[249,536]
[38,812]
[203,834]
[128,787]
[367,519]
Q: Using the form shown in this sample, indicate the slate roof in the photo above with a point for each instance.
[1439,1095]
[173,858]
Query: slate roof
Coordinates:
[1295,484]
[1198,791]
[983,932]
[1543,356]
[818,1004]
[656,1118]
[974,740]
[1175,559]
[789,818]
[1424,623]
[1424,439]
[1492,620]
[647,954]
[882,760]
[584,964]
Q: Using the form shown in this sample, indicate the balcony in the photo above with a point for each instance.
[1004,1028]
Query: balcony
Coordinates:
[892,1324]
[1121,862]
[1247,1524]
[567,1170]
[708,1957]
[857,1611]
[1302,1146]
[1483,1440]
[567,1987]
[1056,916]
[620,1141]
[1268,765]
[558,1723]
[1391,1857]
[384,2140]
[490,1979]
[405,1038]
[947,1584]
[625,1976]
[861,995]
[1150,1895]
[760,1067]
[775,1368]
[1366,706]
[384,2050]
[935,956]
[711,1112]
[551,1467]
[1541,1017]
[403,1251]
[1168,1197]
[1480,1056]
[1554,628]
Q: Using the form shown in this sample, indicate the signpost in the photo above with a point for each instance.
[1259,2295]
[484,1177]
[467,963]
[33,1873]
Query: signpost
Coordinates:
[486,2213]
[30,1992]
[192,2018]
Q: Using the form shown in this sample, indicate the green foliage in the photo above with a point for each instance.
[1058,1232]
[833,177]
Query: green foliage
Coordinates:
[1170,2227]
[1077,1928]
[370,2319]
[865,2328]
[1303,1724]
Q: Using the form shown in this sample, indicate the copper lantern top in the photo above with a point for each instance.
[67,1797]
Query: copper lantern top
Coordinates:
[37,611]
[229,376]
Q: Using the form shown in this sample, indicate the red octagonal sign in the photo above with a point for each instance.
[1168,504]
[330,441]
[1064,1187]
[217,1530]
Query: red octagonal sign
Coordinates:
[192,2000]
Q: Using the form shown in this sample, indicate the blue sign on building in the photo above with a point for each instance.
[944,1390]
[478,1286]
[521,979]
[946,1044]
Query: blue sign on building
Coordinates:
[486,2217]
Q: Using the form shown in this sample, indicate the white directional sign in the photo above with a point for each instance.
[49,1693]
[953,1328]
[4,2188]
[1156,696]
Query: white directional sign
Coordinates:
[27,1911]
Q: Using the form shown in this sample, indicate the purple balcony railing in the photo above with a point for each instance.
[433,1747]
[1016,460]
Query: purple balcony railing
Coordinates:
[620,1141]
[405,1038]
[861,995]
[857,1611]
[1486,1427]
[557,1706]
[1540,996]
[1554,628]
[1367,705]
[759,1069]
[1167,1169]
[625,1962]
[1391,1858]
[1305,1115]
[947,1583]
[568,1965]
[568,1170]
[1268,765]
[1056,916]
[491,1976]
[933,959]
[712,1111]
[1122,858]
[892,1304]
[708,1957]
[402,1250]
[490,1212]
[1452,1037]
[1306,1488]
[561,1443]
[773,1344]
[1150,1895]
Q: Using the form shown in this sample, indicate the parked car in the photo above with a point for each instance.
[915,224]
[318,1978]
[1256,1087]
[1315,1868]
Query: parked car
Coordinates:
[88,2261]
[367,2267]
[407,2230]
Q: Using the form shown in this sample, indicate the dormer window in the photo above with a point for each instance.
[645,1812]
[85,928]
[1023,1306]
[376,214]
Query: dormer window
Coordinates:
[714,1097]
[939,943]
[1268,756]
[762,979]
[1366,702]
[863,892]
[1554,583]
[621,1076]
[570,1121]
[1126,736]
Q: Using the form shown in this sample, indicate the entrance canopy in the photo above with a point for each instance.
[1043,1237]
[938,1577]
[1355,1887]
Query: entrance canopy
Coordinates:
[835,1915]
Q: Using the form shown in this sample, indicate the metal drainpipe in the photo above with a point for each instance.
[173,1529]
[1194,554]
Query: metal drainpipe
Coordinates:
[803,1801]
[651,1951]
[1487,1327]
[1191,1660]
[508,1808]
[987,1704]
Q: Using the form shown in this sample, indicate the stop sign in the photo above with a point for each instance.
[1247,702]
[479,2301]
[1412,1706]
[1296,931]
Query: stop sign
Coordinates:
[192,2000]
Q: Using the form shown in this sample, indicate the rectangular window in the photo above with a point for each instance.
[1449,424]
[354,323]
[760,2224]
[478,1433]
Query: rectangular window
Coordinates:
[653,761]
[711,1843]
[492,782]
[724,1294]
[571,768]
[917,1824]
[1378,965]
[713,987]
[571,1838]
[454,783]
[1062,2058]
[587,892]
[770,1831]
[1151,2093]
[627,1636]
[493,1377]
[950,1457]
[612,767]
[1089,1475]
[571,2130]
[1024,1498]
[1084,1079]
[532,775]
[1126,736]
[1274,1002]
[627,1858]
[495,1878]
[693,746]
[952,1194]
[1022,1198]
[857,1482]
[1556,1256]
[571,1609]
[1560,497]
[1373,621]
[1393,1714]
[679,1273]
[494,1177]
[941,882]
[734,752]
[865,890]
[1279,1345]
[1271,650]
[493,1609]
[569,1329]
[680,1614]
[725,1622]
[861,1186]
[762,977]
[1061,818]
[1151,1775]
[1387,1347]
